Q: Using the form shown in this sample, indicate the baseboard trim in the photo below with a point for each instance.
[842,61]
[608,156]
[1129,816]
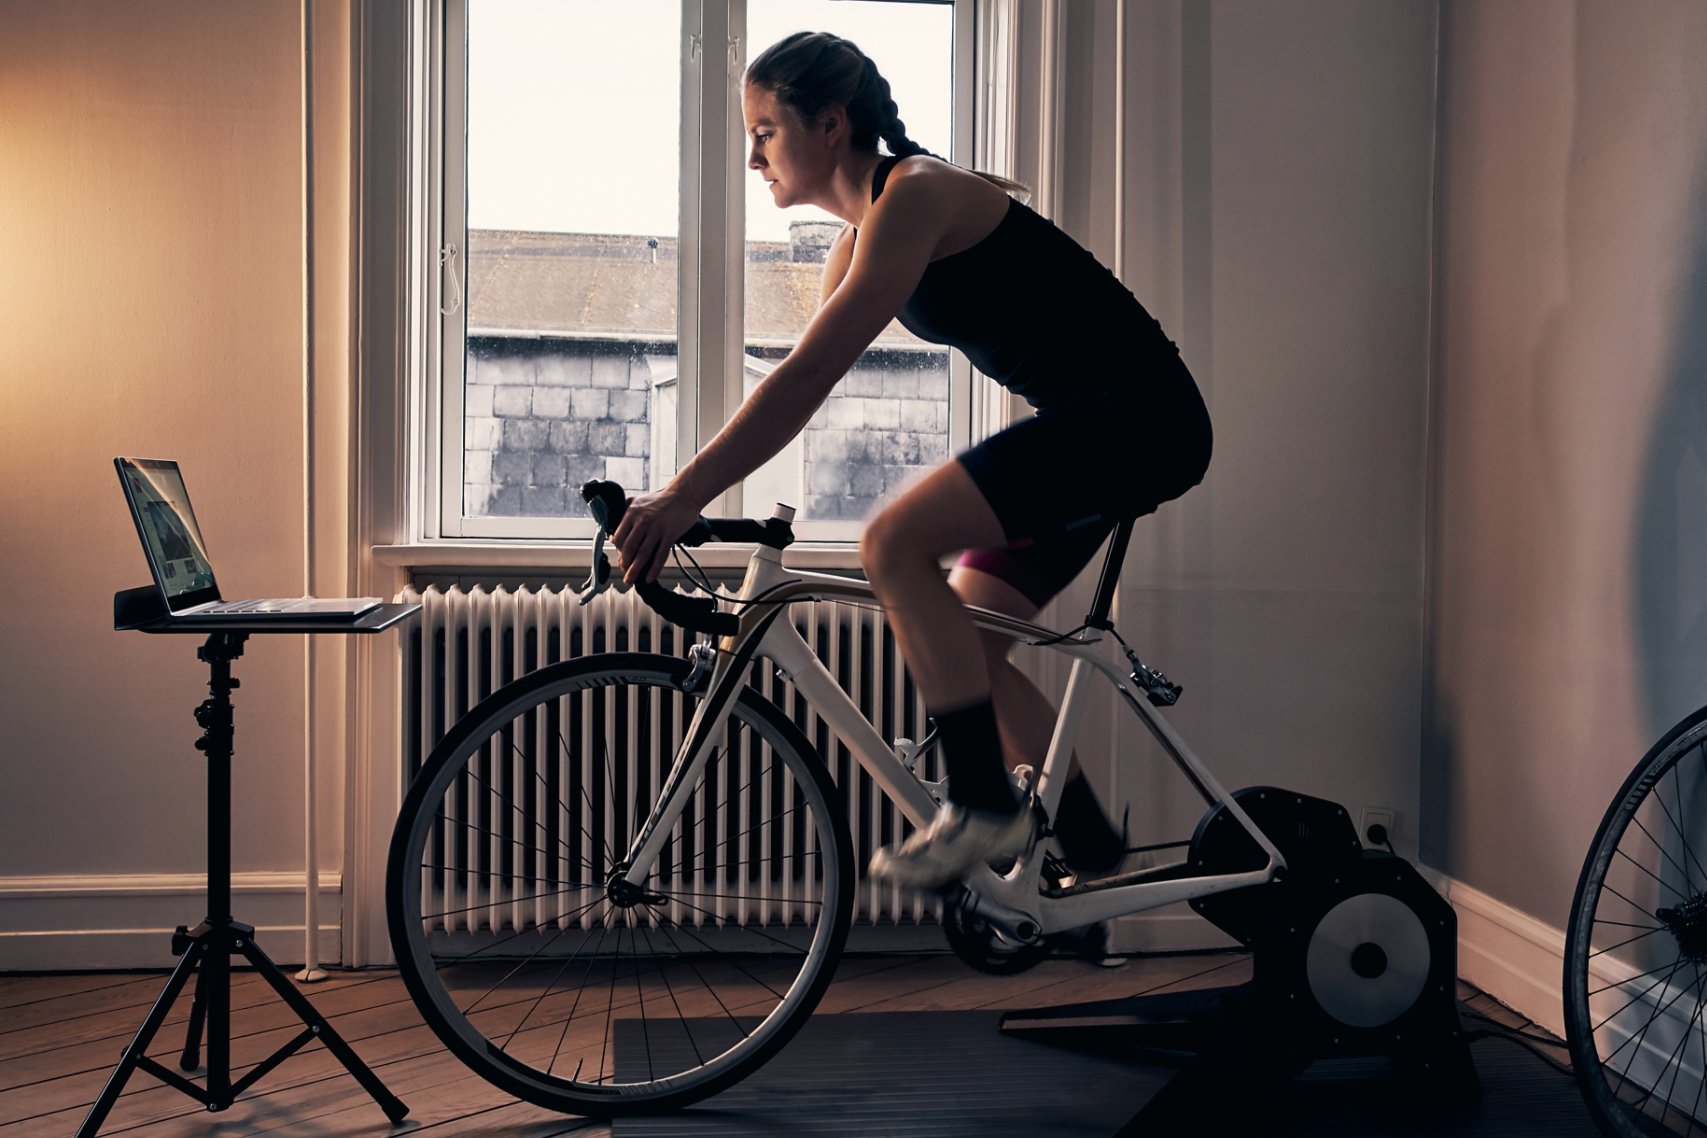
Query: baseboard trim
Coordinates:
[1507,953]
[77,922]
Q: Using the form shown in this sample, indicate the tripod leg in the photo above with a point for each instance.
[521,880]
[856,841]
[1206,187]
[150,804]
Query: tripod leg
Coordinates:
[139,1045]
[191,1058]
[323,1031]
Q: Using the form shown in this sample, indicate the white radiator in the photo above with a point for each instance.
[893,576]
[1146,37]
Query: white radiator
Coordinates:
[468,643]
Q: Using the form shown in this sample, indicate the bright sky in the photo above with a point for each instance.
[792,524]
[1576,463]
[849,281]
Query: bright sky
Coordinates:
[574,105]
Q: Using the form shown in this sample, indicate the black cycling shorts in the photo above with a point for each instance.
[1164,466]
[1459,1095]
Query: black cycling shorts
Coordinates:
[1060,481]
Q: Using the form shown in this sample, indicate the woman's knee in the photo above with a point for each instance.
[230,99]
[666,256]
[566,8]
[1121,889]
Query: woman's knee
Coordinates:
[895,539]
[878,543]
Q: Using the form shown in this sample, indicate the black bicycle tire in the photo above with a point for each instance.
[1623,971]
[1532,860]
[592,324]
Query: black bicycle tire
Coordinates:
[484,720]
[1685,736]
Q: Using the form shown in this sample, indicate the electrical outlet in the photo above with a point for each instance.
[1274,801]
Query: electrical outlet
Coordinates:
[1375,816]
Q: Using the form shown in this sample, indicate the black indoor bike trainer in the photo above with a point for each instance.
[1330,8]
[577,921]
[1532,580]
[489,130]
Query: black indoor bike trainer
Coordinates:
[1354,955]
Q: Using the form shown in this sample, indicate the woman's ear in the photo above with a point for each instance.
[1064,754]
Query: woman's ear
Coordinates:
[833,124]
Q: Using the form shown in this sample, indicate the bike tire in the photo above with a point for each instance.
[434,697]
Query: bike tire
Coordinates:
[498,899]
[1636,948]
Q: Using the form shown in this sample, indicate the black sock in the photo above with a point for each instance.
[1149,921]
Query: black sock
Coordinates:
[1088,839]
[972,749]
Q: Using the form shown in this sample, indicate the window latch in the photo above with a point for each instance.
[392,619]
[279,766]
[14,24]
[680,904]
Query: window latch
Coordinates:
[447,271]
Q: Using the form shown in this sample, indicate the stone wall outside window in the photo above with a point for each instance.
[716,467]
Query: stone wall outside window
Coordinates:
[542,416]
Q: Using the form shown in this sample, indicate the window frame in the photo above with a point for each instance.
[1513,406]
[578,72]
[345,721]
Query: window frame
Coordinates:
[712,238]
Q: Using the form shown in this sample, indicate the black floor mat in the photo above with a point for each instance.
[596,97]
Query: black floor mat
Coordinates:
[954,1073]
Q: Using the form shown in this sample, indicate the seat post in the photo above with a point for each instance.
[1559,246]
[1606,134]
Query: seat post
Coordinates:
[1110,576]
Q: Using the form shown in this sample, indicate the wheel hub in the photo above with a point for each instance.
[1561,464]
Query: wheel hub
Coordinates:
[624,894]
[1688,924]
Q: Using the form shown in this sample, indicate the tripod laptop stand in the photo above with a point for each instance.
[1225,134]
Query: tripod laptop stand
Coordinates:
[206,950]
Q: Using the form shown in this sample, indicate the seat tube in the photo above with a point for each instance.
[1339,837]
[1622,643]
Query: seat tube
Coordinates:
[1056,764]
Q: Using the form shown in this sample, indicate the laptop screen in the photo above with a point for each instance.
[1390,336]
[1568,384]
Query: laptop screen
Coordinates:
[161,508]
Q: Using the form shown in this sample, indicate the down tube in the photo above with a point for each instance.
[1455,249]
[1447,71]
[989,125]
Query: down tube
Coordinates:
[818,688]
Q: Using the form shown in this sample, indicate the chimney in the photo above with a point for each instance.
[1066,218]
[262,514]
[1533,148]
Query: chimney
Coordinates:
[809,241]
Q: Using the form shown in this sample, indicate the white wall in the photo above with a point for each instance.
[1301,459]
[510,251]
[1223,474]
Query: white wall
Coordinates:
[1277,221]
[151,229]
[1568,568]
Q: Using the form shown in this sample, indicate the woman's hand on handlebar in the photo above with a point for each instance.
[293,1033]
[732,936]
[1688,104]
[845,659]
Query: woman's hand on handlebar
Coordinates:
[650,525]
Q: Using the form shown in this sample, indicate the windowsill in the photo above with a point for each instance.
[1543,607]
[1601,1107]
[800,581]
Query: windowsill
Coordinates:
[562,556]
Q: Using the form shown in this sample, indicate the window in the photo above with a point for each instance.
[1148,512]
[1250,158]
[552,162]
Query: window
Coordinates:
[593,245]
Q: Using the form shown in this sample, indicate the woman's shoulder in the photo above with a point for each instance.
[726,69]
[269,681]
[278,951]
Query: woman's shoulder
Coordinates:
[925,176]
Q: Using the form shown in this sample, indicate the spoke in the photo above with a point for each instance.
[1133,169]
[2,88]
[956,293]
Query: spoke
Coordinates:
[1626,924]
[760,825]
[802,855]
[496,904]
[1653,1016]
[1619,984]
[744,928]
[1665,1101]
[592,811]
[1682,834]
[658,967]
[689,932]
[500,837]
[1663,883]
[735,897]
[1682,1048]
[1700,1083]
[610,1000]
[640,998]
[704,983]
[682,1016]
[1622,943]
[544,993]
[522,876]
[562,968]
[604,931]
[610,776]
[1621,897]
[451,962]
[519,812]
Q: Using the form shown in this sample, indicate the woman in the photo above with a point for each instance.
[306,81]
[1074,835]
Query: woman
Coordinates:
[1119,429]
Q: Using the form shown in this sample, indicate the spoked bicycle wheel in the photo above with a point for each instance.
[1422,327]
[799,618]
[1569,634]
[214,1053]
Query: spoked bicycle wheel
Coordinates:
[566,988]
[1636,949]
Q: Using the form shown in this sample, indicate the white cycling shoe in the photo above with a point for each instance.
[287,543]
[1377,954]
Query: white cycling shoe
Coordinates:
[955,841]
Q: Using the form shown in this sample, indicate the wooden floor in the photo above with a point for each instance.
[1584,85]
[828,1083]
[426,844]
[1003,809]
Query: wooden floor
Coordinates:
[60,1036]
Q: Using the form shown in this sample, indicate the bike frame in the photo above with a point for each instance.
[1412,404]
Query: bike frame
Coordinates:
[1012,903]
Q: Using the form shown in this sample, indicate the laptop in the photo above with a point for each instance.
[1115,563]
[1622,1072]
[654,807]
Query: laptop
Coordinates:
[177,556]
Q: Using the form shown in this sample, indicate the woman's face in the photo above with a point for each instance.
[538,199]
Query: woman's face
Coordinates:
[788,155]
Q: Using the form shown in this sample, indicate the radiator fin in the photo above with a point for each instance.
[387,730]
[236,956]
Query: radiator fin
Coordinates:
[469,642]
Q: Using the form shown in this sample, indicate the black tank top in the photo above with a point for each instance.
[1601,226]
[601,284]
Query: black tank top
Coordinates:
[1036,312]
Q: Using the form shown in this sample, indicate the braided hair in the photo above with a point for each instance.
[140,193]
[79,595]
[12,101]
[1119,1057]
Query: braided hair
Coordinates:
[808,71]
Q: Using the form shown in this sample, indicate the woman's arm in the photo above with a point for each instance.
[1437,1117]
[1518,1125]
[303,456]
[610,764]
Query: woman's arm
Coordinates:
[894,246]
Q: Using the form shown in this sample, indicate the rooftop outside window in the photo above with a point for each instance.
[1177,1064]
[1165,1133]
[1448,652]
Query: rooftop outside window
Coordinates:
[577,217]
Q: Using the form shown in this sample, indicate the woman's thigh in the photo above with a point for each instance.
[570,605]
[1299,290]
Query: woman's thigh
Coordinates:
[944,512]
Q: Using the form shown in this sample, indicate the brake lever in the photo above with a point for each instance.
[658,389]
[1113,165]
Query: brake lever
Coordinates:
[599,576]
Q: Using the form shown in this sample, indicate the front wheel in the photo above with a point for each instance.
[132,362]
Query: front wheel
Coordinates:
[552,978]
[1636,948]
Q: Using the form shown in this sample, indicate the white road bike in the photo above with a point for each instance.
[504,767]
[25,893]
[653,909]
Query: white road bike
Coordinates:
[677,876]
